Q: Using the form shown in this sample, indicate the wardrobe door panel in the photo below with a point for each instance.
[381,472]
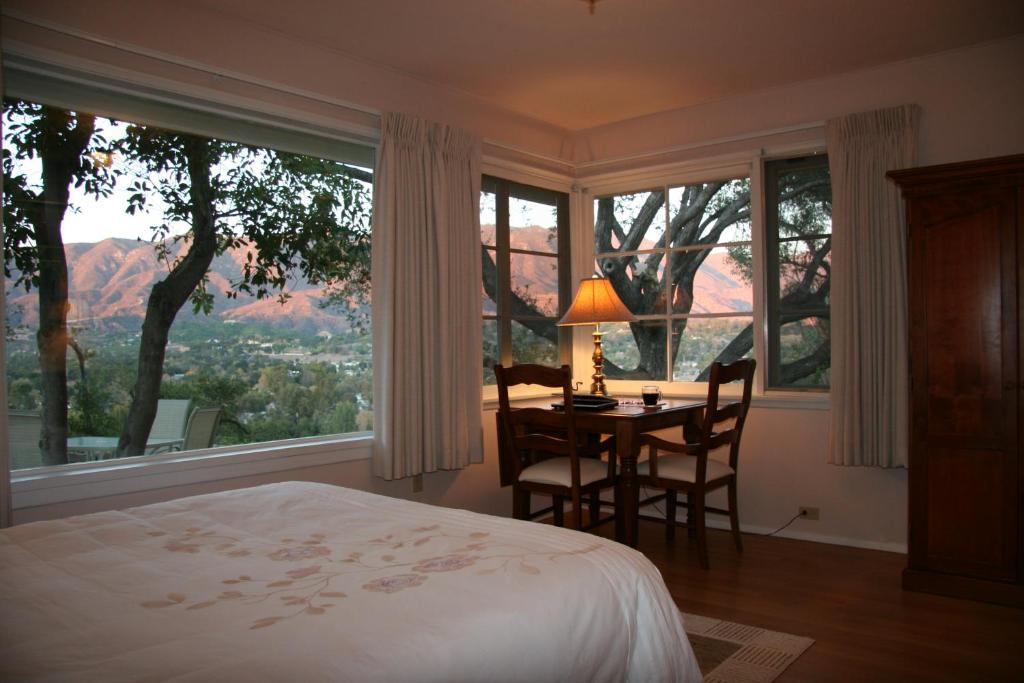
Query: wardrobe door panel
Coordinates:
[965,353]
[968,534]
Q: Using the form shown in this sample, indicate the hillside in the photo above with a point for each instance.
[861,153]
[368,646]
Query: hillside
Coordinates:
[718,288]
[110,281]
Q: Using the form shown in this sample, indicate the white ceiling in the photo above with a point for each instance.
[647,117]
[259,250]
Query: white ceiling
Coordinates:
[554,61]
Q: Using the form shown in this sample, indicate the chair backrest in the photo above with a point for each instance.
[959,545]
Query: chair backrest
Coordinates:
[24,431]
[201,429]
[715,413]
[531,431]
[171,418]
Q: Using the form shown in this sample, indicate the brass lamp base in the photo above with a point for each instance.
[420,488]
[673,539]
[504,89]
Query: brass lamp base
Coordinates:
[597,387]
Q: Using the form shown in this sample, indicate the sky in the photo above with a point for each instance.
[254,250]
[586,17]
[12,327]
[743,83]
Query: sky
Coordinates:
[90,219]
[93,221]
[523,213]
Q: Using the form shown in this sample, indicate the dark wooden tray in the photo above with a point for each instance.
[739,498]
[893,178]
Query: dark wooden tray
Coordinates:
[588,402]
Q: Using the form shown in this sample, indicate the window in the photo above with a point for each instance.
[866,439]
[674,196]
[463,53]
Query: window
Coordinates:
[679,257]
[525,246]
[682,258]
[798,207]
[273,332]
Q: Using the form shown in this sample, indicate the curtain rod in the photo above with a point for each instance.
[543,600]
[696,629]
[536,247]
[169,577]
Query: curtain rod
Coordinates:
[705,143]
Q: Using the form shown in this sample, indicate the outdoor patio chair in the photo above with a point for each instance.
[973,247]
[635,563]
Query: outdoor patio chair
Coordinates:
[24,430]
[171,419]
[202,428]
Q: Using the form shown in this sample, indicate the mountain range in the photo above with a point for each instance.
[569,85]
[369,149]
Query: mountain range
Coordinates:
[718,287]
[110,280]
[109,284]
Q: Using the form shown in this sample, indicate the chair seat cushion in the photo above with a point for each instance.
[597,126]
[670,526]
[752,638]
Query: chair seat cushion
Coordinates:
[557,471]
[684,468]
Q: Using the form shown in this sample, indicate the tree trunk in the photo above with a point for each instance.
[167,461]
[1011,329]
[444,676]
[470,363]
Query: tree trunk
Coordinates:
[61,150]
[791,372]
[650,344]
[168,296]
[734,350]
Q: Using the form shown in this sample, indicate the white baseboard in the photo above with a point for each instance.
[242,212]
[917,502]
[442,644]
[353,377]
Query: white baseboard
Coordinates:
[889,547]
[721,522]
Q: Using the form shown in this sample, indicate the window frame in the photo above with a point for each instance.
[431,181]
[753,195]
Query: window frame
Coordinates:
[50,485]
[504,190]
[668,317]
[773,168]
[750,164]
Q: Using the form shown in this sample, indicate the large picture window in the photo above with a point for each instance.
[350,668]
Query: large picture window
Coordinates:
[524,244]
[169,290]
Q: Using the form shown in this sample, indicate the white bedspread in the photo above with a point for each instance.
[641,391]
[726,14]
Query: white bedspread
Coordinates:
[310,582]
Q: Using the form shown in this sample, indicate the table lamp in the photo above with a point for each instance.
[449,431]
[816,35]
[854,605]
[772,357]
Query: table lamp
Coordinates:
[596,302]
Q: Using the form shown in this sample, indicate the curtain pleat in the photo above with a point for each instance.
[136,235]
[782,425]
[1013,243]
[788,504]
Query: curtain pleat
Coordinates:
[426,274]
[870,372]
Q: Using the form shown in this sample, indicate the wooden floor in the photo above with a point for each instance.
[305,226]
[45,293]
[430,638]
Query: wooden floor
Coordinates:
[849,600]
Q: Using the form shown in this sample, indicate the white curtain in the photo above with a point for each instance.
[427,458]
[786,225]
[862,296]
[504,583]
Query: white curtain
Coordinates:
[869,287]
[426,274]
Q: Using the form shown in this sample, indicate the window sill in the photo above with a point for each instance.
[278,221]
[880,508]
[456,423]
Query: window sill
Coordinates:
[490,399]
[793,400]
[782,400]
[82,481]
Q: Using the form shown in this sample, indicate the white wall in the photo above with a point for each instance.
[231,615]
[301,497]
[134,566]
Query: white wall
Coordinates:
[783,466]
[973,106]
[972,99]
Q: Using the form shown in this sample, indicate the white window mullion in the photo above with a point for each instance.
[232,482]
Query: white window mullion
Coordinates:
[666,259]
[758,236]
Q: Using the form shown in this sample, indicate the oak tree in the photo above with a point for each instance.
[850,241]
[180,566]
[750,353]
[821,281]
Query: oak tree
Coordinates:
[70,154]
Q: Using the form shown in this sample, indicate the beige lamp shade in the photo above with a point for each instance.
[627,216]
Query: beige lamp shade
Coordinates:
[596,302]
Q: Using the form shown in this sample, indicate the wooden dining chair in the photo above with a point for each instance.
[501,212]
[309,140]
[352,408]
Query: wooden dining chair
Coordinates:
[549,455]
[686,467]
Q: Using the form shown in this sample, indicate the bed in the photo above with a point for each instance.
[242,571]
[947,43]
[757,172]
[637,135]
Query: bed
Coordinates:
[312,582]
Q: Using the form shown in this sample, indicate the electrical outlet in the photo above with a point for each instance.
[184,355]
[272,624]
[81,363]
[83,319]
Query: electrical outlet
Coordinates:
[417,483]
[809,513]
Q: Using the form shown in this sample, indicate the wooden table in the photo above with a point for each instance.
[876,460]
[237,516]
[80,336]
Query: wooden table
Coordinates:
[627,423]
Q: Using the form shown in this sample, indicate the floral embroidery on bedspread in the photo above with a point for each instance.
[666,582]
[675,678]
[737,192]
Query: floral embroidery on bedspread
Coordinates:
[307,589]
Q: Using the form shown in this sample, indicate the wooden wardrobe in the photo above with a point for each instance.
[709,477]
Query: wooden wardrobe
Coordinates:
[966,479]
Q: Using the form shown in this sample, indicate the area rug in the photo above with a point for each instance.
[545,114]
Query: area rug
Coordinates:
[735,653]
